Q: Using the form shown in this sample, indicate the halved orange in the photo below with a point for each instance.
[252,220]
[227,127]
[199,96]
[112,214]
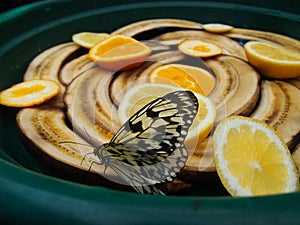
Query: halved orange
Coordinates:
[119,52]
[29,93]
[187,77]
[273,61]
[199,48]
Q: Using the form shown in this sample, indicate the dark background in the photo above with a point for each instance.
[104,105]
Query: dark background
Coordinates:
[9,4]
[282,5]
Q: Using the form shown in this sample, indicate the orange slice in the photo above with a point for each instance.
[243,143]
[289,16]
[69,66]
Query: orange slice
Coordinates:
[273,61]
[198,48]
[217,28]
[119,52]
[187,77]
[29,93]
[88,39]
[251,159]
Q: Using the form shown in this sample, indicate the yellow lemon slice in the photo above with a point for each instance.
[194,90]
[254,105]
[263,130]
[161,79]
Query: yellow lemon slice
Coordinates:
[88,39]
[29,93]
[198,48]
[273,61]
[251,159]
[142,94]
[188,77]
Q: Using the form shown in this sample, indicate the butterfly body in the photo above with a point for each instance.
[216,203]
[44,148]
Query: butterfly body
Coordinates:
[149,148]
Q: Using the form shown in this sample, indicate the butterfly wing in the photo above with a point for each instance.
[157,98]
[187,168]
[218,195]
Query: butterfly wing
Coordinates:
[148,148]
[161,126]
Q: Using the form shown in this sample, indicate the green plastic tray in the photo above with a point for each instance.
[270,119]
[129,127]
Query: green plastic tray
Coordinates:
[30,194]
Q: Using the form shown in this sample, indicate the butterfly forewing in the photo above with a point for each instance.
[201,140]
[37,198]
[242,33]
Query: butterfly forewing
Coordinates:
[162,125]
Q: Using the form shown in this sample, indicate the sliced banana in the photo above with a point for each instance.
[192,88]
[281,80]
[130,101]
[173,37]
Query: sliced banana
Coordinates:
[145,25]
[237,86]
[89,118]
[47,66]
[269,37]
[75,68]
[45,129]
[279,106]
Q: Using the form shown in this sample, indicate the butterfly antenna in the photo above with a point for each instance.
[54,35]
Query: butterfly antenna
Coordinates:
[73,142]
[87,135]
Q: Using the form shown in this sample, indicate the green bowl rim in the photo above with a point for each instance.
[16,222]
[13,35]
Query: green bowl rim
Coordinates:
[24,191]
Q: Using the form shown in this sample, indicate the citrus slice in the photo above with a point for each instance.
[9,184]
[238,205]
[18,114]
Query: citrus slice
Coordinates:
[88,39]
[29,93]
[188,77]
[140,95]
[198,48]
[273,61]
[119,52]
[251,159]
[217,27]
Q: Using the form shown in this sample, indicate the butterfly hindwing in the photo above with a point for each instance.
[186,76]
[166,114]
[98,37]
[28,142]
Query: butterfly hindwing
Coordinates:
[141,173]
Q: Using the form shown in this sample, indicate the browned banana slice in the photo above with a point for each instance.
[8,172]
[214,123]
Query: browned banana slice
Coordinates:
[201,162]
[278,39]
[92,120]
[296,155]
[295,82]
[141,26]
[47,65]
[74,68]
[44,129]
[237,86]
[229,46]
[279,106]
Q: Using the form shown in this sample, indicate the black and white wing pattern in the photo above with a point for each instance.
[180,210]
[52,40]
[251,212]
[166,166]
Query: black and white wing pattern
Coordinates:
[149,149]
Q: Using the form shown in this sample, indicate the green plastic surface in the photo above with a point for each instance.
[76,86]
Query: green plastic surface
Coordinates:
[30,194]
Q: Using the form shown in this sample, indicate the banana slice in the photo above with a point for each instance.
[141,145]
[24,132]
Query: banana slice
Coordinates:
[44,129]
[145,25]
[89,118]
[269,37]
[296,156]
[295,82]
[237,86]
[75,68]
[47,66]
[279,106]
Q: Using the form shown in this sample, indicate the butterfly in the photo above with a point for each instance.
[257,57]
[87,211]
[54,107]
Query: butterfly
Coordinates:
[149,148]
